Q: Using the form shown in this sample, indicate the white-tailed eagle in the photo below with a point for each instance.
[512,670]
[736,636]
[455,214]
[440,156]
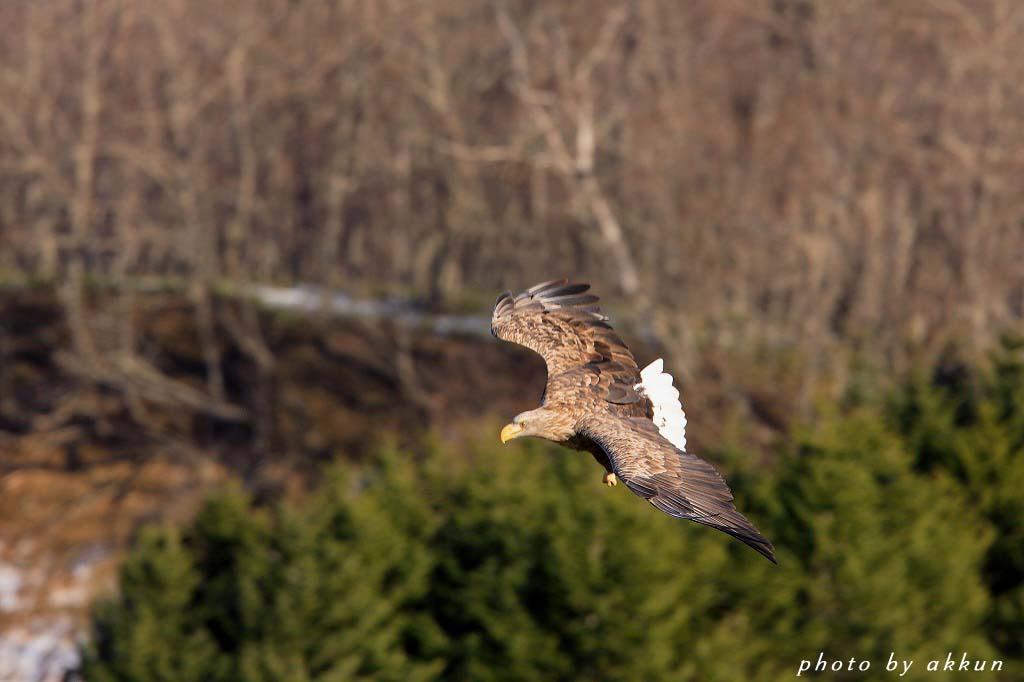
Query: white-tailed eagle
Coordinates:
[597,400]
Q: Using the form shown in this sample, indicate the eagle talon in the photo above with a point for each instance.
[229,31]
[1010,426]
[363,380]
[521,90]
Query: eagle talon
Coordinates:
[609,479]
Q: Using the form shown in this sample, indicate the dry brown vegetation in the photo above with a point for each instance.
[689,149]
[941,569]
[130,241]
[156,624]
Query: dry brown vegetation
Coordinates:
[783,171]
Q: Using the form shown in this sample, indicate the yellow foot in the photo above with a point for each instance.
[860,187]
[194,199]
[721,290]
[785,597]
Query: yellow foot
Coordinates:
[609,479]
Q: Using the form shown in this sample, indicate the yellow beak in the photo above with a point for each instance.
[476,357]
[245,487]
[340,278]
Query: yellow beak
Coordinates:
[510,431]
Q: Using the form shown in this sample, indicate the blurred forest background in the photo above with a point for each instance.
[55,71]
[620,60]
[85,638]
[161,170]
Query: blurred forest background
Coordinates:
[812,210]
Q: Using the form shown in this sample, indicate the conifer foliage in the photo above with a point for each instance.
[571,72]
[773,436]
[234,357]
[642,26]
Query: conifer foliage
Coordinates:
[898,523]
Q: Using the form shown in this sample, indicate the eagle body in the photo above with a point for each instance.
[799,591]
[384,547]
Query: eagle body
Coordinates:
[598,400]
[575,397]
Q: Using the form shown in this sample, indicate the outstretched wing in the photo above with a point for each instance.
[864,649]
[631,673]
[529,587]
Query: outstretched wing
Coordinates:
[562,323]
[676,482]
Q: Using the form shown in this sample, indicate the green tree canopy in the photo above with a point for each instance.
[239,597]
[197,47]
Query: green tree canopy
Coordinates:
[898,523]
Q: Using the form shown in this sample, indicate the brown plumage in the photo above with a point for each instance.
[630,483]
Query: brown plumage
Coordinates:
[594,401]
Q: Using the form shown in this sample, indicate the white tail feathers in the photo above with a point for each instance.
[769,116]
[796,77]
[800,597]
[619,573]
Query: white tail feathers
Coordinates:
[668,411]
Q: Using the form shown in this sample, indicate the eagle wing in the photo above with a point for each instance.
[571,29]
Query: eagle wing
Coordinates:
[676,482]
[562,323]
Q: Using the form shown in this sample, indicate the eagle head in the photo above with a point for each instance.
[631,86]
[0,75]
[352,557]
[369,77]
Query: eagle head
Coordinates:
[540,423]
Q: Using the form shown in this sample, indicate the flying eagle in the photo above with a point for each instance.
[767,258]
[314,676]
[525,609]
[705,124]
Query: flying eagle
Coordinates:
[597,400]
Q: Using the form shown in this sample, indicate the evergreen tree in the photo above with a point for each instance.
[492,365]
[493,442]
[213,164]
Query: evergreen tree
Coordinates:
[977,437]
[898,526]
[307,594]
[543,573]
[890,559]
[154,632]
